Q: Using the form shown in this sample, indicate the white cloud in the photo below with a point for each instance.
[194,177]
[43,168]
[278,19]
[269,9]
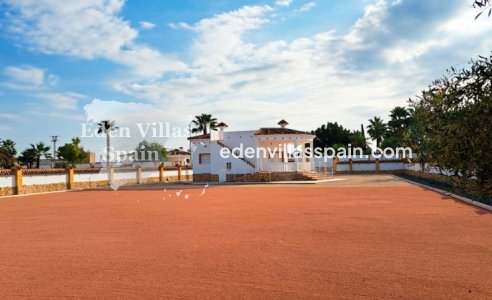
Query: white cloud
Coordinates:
[327,76]
[25,75]
[86,29]
[285,3]
[220,37]
[122,113]
[8,118]
[61,101]
[306,7]
[372,20]
[147,25]
[308,80]
[36,83]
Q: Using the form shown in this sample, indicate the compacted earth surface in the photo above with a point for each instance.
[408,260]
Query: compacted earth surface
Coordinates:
[363,237]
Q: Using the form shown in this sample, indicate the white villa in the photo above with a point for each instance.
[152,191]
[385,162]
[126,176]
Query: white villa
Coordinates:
[275,159]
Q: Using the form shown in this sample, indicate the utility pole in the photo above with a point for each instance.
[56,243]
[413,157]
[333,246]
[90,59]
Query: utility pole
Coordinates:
[54,139]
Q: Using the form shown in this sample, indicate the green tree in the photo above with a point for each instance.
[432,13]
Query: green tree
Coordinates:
[330,134]
[377,130]
[73,152]
[149,149]
[204,122]
[358,140]
[391,141]
[40,150]
[451,126]
[7,153]
[107,127]
[4,158]
[399,120]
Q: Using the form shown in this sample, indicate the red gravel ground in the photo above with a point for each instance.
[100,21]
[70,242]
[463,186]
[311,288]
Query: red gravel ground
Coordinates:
[246,242]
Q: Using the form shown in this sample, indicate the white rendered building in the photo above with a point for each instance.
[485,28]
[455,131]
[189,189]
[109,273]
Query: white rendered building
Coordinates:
[270,151]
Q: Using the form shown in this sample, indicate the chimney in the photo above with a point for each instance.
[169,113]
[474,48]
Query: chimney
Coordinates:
[283,123]
[222,126]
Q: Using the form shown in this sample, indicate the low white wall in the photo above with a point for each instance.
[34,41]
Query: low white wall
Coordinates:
[171,173]
[363,167]
[391,166]
[343,168]
[186,172]
[44,179]
[7,181]
[87,177]
[148,174]
[130,174]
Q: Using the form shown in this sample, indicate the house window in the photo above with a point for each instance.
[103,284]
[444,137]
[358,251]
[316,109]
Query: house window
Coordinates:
[229,166]
[204,158]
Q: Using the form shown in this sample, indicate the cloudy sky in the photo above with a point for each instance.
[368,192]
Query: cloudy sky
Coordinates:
[249,63]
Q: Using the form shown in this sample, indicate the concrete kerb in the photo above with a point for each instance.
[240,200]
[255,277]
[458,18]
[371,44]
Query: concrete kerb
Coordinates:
[270,182]
[446,193]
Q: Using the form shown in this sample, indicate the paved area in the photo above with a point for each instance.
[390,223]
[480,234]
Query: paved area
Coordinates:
[373,238]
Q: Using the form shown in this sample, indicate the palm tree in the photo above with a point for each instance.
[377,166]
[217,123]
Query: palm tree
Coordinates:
[400,117]
[204,122]
[7,153]
[4,158]
[377,130]
[9,145]
[106,127]
[39,150]
[27,157]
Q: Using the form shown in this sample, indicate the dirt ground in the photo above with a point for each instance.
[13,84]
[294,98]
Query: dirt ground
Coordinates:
[363,238]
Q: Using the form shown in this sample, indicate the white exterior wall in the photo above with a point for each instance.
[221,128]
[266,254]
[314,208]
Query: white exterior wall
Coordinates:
[236,138]
[44,179]
[202,146]
[7,181]
[218,163]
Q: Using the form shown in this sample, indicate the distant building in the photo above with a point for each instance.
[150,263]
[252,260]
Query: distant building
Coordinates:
[48,163]
[178,157]
[92,158]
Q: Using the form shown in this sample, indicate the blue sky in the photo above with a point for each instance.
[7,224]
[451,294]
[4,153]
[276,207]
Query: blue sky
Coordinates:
[249,63]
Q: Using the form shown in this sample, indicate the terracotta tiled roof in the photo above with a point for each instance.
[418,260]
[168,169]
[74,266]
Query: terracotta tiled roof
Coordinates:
[178,152]
[222,124]
[271,131]
[200,137]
